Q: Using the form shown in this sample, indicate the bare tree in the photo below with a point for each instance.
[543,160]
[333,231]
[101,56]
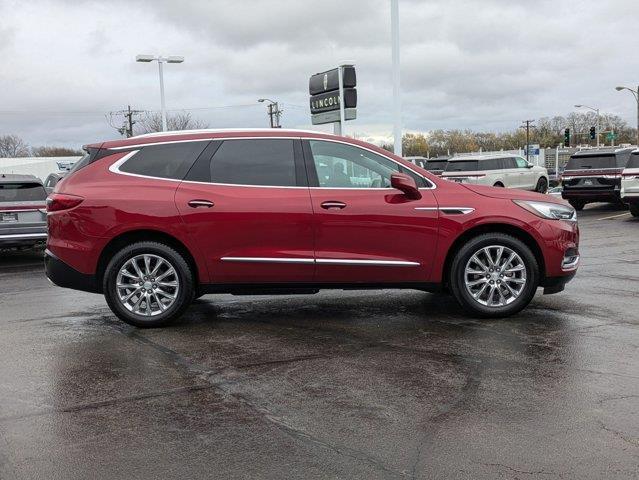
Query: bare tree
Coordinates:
[13,146]
[152,122]
[55,152]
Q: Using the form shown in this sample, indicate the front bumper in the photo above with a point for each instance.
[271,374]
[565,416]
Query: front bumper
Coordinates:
[63,275]
[556,284]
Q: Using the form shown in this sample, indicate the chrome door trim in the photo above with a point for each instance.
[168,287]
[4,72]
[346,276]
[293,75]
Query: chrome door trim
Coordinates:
[269,260]
[323,261]
[372,263]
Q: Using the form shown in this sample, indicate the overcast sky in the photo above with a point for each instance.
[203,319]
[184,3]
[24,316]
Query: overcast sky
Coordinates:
[484,65]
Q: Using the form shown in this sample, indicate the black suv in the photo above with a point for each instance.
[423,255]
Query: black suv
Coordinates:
[23,214]
[594,175]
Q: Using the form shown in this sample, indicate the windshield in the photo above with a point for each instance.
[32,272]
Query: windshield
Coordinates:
[595,162]
[22,192]
[634,161]
[462,166]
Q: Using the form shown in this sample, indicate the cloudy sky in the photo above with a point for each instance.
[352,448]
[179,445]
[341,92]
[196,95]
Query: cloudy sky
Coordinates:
[481,64]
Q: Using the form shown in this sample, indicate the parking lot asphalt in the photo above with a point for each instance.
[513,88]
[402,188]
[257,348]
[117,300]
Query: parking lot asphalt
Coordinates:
[377,384]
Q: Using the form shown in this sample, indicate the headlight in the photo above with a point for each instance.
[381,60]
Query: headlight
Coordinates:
[553,211]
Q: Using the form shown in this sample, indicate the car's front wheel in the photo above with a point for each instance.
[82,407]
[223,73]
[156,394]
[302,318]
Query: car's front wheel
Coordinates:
[634,210]
[148,284]
[494,275]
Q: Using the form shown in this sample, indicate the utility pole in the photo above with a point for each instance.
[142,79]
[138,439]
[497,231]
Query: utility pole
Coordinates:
[528,125]
[273,111]
[129,115]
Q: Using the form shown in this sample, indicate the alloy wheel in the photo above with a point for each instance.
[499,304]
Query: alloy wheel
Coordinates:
[147,285]
[495,276]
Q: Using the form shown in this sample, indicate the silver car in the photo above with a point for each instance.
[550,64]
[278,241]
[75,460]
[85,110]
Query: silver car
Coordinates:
[630,184]
[23,211]
[504,170]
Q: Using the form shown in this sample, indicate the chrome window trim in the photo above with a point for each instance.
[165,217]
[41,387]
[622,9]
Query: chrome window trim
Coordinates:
[115,167]
[323,261]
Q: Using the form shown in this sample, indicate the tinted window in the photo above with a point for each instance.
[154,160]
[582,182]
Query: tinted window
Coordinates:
[255,162]
[462,166]
[634,161]
[84,161]
[585,162]
[622,159]
[436,164]
[491,164]
[171,160]
[22,192]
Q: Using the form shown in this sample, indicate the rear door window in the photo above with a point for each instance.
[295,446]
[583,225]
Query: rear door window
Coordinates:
[171,160]
[22,192]
[259,162]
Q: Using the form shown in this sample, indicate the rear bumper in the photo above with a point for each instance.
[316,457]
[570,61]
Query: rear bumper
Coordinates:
[590,195]
[22,237]
[65,276]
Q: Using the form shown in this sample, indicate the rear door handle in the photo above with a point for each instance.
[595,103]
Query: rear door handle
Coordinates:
[333,204]
[201,203]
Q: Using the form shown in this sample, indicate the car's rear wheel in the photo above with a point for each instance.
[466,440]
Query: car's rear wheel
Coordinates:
[577,205]
[634,210]
[148,284]
[499,184]
[494,275]
[542,185]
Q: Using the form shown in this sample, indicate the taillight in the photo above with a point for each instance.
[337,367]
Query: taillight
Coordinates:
[62,201]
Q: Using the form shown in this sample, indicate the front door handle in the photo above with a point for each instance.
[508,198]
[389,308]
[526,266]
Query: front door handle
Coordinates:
[201,203]
[333,204]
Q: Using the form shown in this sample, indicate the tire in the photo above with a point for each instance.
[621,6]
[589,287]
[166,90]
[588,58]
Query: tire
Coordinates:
[634,210]
[542,185]
[166,302]
[499,184]
[577,205]
[524,280]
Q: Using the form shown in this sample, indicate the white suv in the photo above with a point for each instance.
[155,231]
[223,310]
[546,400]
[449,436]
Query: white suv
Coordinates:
[507,170]
[630,184]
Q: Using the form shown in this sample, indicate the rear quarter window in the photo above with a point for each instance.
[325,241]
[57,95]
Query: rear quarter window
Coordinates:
[171,160]
[22,192]
[634,161]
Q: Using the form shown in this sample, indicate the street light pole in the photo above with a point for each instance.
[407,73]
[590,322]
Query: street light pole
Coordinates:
[397,101]
[162,101]
[597,125]
[160,59]
[636,95]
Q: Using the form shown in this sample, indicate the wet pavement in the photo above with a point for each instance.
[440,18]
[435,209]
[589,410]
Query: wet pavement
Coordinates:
[384,384]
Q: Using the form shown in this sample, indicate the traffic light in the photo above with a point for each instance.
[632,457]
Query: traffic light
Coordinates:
[593,133]
[567,137]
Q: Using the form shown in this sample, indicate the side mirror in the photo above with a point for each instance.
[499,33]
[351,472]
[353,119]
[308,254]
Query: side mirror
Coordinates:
[529,165]
[406,184]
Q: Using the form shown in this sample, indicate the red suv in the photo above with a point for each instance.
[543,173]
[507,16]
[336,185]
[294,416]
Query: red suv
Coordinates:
[155,221]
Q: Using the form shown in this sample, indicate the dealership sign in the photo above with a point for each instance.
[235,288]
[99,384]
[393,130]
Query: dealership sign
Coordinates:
[325,100]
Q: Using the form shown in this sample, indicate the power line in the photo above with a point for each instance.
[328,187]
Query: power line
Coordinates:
[128,120]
